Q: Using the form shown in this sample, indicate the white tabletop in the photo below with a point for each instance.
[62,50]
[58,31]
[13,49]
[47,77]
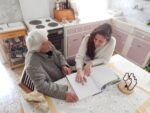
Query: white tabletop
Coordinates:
[111,100]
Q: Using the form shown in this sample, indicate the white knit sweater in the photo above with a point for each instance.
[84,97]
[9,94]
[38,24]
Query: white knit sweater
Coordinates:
[102,55]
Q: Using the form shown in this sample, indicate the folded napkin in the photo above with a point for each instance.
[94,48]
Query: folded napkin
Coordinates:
[34,97]
[37,101]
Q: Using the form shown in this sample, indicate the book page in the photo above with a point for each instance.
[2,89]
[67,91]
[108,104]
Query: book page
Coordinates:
[88,89]
[102,75]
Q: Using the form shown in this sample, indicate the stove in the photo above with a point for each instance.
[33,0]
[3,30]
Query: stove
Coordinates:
[42,23]
[54,29]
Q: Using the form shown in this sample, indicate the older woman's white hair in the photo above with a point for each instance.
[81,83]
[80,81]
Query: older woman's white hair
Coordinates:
[35,39]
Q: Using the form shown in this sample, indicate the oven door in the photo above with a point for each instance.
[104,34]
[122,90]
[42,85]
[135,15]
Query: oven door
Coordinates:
[56,36]
[58,44]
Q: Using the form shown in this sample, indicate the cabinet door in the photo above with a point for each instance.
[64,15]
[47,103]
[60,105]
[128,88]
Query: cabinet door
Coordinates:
[138,51]
[120,40]
[142,35]
[74,42]
[74,29]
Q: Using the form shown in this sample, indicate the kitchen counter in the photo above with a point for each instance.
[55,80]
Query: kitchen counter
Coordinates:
[12,30]
[84,20]
[4,28]
[132,22]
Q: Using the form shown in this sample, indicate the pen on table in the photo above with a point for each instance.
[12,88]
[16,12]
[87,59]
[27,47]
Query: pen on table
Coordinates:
[96,93]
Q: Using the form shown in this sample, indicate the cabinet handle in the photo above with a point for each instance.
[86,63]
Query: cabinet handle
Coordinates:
[75,39]
[143,37]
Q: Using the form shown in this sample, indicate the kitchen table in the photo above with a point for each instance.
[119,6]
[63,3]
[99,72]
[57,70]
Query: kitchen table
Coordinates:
[111,100]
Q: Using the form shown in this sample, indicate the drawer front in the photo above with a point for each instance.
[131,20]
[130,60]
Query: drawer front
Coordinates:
[84,27]
[13,34]
[74,29]
[21,33]
[120,40]
[85,33]
[71,30]
[142,35]
[96,24]
[138,51]
[74,42]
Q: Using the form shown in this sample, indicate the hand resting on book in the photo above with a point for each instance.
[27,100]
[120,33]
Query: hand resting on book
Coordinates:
[88,69]
[80,77]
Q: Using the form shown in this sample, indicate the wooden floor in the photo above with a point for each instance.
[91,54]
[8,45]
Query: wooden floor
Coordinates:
[9,95]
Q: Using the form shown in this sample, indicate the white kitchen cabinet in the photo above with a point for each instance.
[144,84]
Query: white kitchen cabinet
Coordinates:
[74,42]
[139,51]
[73,38]
[142,35]
[75,34]
[121,38]
[131,42]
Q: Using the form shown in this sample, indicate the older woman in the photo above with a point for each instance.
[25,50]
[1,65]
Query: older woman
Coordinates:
[44,64]
[95,49]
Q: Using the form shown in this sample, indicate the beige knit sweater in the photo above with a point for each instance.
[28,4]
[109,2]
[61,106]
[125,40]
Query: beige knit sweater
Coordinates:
[102,55]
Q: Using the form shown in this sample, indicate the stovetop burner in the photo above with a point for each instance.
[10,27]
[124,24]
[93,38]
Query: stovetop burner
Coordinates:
[43,23]
[35,22]
[40,26]
[53,24]
[47,20]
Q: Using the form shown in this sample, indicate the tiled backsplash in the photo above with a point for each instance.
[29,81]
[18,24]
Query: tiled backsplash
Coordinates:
[10,11]
[129,10]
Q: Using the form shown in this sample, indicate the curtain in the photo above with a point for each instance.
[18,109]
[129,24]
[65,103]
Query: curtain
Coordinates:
[89,8]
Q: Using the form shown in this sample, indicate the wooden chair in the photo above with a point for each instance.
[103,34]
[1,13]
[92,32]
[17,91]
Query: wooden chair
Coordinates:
[26,83]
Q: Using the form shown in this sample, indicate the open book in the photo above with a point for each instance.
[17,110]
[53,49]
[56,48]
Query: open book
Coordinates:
[99,79]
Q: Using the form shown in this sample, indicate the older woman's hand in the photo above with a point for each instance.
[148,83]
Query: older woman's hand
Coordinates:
[66,70]
[87,69]
[80,78]
[71,97]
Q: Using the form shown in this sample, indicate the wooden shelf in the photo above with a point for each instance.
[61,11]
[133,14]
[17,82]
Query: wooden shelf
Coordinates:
[8,38]
[13,34]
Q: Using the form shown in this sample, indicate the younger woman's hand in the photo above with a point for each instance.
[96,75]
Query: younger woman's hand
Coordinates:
[80,78]
[87,69]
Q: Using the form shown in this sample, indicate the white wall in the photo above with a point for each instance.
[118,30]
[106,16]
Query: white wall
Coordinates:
[52,6]
[89,8]
[34,9]
[10,11]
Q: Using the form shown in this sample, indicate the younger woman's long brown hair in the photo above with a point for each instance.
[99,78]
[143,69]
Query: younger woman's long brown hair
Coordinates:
[105,30]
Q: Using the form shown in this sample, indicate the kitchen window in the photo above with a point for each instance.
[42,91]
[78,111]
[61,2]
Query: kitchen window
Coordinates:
[90,8]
